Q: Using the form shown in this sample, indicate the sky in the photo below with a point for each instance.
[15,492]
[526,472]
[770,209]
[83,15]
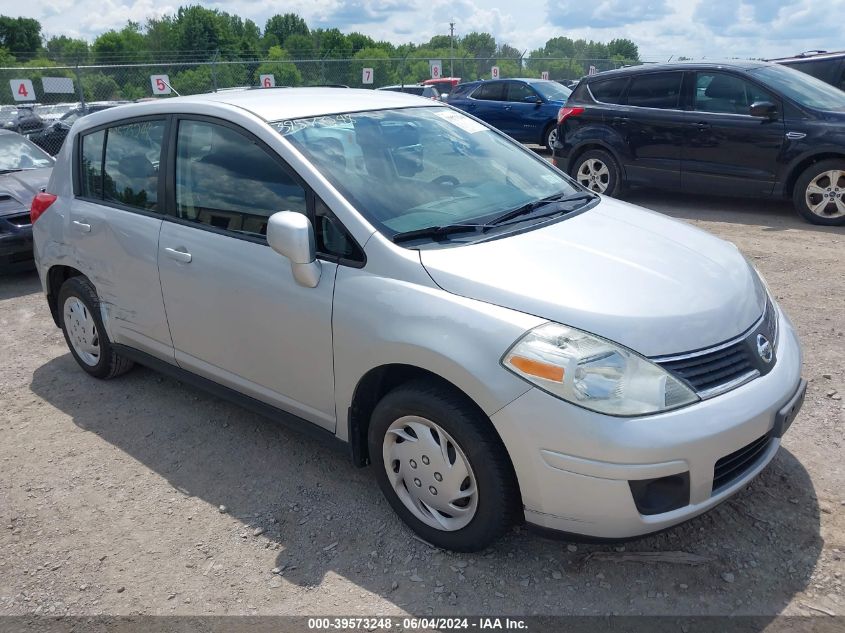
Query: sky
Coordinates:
[661,28]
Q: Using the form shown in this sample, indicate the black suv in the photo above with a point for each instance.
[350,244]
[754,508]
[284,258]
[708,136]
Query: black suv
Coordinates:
[740,128]
[829,67]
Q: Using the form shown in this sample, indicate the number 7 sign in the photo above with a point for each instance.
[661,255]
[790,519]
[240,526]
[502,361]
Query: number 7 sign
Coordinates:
[22,90]
[160,84]
[366,75]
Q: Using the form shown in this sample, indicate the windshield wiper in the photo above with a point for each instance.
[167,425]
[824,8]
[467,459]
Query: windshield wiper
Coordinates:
[435,232]
[526,209]
[9,171]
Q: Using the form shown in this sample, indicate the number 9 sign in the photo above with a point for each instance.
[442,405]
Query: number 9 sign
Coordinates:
[494,72]
[267,81]
[160,84]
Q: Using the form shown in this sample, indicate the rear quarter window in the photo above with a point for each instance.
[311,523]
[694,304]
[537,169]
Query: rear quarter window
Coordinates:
[655,90]
[609,90]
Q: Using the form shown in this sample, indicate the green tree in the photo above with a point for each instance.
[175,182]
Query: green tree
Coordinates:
[282,68]
[20,36]
[379,61]
[126,45]
[67,49]
[623,49]
[358,41]
[100,87]
[280,27]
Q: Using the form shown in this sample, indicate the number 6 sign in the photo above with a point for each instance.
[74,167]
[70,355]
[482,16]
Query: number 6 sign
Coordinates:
[161,84]
[267,81]
[22,89]
[366,75]
[494,72]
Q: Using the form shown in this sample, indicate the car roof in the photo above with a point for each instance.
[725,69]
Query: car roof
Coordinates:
[736,64]
[276,104]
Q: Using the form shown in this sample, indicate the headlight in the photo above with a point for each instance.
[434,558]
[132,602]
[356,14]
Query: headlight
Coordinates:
[594,373]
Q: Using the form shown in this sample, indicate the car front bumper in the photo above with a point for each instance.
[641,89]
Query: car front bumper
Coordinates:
[15,247]
[575,466]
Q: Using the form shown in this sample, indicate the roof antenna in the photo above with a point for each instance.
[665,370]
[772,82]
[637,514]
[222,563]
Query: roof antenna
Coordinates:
[172,89]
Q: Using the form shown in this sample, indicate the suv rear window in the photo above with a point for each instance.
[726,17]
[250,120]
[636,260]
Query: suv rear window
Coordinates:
[609,90]
[656,90]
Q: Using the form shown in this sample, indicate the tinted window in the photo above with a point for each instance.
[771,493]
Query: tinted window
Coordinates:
[804,89]
[490,91]
[133,152]
[519,92]
[820,68]
[609,91]
[91,166]
[224,179]
[724,93]
[655,90]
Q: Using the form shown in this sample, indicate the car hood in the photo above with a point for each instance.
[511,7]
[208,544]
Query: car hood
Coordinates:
[18,188]
[656,285]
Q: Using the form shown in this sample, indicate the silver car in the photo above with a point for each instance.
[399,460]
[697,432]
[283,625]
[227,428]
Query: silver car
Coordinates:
[498,343]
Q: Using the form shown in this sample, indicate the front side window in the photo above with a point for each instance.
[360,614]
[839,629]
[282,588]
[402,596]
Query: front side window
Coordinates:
[725,93]
[520,92]
[226,180]
[801,88]
[413,168]
[133,153]
[656,90]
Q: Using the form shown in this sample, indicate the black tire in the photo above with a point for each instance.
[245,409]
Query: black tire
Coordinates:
[549,136]
[830,215]
[498,501]
[613,183]
[109,363]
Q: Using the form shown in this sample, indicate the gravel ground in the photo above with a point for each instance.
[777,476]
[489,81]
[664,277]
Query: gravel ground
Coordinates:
[142,495]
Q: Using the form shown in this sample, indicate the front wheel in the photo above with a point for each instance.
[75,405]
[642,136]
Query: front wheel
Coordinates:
[550,137]
[597,171]
[442,467]
[819,194]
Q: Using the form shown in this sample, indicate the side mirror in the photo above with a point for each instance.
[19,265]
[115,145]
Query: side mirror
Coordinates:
[291,235]
[532,99]
[763,109]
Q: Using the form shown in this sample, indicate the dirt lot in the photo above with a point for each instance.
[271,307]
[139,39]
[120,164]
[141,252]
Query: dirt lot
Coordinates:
[142,495]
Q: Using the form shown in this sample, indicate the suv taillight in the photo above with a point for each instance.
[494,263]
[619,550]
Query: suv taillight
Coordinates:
[565,113]
[40,203]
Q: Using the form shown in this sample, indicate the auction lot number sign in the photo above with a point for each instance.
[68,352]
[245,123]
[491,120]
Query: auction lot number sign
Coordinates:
[22,90]
[160,84]
[267,81]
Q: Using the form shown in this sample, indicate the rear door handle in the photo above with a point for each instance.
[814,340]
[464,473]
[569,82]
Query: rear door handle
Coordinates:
[701,126]
[179,256]
[82,226]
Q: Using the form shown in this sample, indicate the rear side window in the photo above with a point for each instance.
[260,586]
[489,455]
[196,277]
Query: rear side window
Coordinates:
[491,91]
[91,165]
[655,90]
[609,90]
[133,152]
[224,179]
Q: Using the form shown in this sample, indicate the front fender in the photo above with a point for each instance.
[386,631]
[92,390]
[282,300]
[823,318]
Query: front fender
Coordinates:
[380,321]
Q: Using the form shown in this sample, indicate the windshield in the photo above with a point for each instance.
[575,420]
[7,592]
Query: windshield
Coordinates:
[801,87]
[18,153]
[551,90]
[414,168]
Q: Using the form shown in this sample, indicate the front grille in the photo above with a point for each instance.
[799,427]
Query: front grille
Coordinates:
[710,370]
[732,467]
[19,220]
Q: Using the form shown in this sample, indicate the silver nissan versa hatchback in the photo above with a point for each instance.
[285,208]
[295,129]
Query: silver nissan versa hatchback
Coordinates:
[500,344]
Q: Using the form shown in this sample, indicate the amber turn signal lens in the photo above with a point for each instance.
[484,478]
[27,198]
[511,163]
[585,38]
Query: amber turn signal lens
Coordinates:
[537,368]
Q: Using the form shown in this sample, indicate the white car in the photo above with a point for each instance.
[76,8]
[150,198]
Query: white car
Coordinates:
[498,343]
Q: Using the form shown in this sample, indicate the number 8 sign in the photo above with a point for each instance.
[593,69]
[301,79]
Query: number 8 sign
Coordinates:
[160,84]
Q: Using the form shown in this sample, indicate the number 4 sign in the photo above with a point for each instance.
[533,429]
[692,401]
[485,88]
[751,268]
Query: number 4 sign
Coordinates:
[267,81]
[366,75]
[161,84]
[22,89]
[494,72]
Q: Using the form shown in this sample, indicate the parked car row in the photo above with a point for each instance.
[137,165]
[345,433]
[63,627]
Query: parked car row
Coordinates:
[753,129]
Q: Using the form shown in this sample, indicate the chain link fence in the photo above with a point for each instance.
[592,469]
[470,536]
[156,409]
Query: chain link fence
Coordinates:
[84,87]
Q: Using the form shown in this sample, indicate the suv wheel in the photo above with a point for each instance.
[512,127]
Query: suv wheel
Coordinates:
[441,468]
[819,194]
[597,171]
[79,307]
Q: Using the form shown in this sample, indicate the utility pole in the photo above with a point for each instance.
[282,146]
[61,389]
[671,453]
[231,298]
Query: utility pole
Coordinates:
[451,45]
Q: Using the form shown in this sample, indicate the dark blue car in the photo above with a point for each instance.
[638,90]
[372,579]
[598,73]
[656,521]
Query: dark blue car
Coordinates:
[525,109]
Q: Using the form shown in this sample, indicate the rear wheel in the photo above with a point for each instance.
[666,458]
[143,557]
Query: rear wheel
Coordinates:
[550,136]
[819,194]
[441,467]
[597,170]
[79,307]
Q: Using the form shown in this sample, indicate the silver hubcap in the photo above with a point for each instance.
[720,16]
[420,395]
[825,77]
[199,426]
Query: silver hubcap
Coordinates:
[82,331]
[825,195]
[594,175]
[552,137]
[430,473]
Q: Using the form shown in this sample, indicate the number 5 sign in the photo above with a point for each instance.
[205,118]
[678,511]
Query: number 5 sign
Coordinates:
[22,89]
[494,72]
[267,81]
[366,75]
[161,84]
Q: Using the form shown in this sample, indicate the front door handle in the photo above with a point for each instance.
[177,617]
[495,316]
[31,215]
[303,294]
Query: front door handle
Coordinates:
[82,226]
[179,256]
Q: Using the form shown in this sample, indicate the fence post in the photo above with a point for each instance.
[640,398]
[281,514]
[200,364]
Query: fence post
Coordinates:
[214,69]
[79,87]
